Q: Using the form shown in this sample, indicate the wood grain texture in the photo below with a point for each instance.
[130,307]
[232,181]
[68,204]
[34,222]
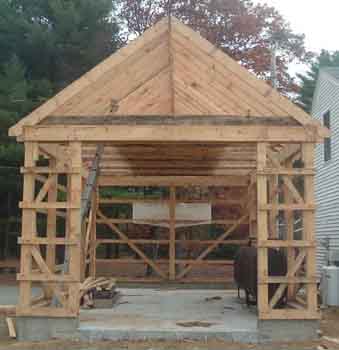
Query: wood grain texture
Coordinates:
[170,70]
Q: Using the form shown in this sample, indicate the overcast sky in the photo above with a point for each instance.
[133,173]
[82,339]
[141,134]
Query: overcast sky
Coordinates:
[318,20]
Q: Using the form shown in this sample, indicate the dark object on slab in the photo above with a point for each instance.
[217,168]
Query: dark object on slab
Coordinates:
[245,272]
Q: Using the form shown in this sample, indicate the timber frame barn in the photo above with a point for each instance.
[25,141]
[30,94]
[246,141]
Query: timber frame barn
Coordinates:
[168,110]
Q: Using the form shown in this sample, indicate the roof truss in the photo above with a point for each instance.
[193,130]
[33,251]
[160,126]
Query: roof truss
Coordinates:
[170,70]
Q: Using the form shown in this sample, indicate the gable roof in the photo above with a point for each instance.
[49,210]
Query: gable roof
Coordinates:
[169,70]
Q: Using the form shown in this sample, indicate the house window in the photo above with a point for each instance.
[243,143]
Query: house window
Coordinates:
[327,141]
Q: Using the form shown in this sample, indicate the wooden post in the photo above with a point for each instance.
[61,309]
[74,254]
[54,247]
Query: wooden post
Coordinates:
[262,233]
[309,227]
[93,234]
[274,195]
[75,226]
[51,225]
[252,197]
[51,218]
[28,229]
[172,204]
[289,220]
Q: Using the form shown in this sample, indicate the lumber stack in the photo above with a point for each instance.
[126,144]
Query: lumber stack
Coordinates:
[92,290]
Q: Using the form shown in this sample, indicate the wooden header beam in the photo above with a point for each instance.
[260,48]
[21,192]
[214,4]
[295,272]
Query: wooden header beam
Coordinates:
[172,133]
[234,181]
[161,120]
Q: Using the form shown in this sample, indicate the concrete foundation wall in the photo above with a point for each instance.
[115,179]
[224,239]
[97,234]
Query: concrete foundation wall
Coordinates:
[3,327]
[42,328]
[287,330]
[45,328]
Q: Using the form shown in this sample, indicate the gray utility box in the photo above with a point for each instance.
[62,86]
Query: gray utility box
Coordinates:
[330,285]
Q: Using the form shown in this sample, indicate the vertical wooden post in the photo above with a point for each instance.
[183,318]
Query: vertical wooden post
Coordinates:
[52,218]
[28,229]
[273,186]
[262,233]
[75,226]
[172,204]
[93,235]
[289,220]
[51,225]
[309,226]
[252,195]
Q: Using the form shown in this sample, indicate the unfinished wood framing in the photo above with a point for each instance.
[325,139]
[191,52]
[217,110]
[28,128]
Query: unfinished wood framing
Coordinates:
[299,249]
[168,110]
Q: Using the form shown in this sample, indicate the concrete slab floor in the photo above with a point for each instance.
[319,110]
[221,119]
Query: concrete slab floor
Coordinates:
[9,294]
[172,314]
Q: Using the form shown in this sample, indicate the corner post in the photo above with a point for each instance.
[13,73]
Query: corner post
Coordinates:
[262,230]
[28,228]
[309,227]
[74,226]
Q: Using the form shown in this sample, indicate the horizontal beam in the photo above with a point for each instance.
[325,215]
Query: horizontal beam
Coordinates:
[177,172]
[232,181]
[184,280]
[163,120]
[47,311]
[284,279]
[177,164]
[48,170]
[287,172]
[171,133]
[286,244]
[43,277]
[287,207]
[164,241]
[225,201]
[47,241]
[289,314]
[159,221]
[187,155]
[48,205]
[166,261]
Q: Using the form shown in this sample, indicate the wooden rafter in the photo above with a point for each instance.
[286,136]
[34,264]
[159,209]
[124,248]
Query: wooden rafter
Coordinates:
[188,76]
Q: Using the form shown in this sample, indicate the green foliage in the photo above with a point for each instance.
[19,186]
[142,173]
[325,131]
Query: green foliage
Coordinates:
[44,46]
[308,80]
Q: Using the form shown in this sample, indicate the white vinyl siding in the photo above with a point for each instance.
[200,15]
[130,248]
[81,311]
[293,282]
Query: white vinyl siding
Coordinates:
[327,177]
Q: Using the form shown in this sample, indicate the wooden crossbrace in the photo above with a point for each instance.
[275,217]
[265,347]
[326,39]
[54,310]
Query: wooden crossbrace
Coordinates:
[45,269]
[44,189]
[281,289]
[287,181]
[132,245]
[215,244]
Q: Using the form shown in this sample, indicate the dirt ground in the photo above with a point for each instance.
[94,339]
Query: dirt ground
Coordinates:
[329,328]
[165,345]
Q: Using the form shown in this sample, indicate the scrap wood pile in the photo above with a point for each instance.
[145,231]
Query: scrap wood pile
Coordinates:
[101,288]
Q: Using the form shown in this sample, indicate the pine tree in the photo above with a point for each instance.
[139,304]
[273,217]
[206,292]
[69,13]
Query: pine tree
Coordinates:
[309,80]
[44,46]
